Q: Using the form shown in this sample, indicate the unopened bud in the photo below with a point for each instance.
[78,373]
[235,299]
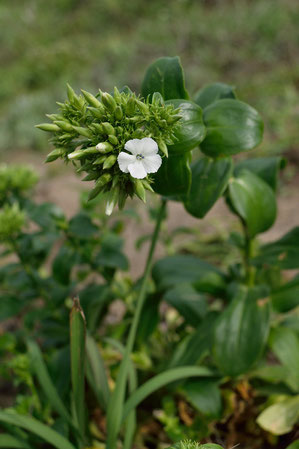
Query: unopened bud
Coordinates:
[108,128]
[142,106]
[55,154]
[70,93]
[65,126]
[90,177]
[147,185]
[157,98]
[91,99]
[104,147]
[112,201]
[49,127]
[98,112]
[82,131]
[163,147]
[109,162]
[139,190]
[103,180]
[97,127]
[109,101]
[118,113]
[116,94]
[130,107]
[100,160]
[113,140]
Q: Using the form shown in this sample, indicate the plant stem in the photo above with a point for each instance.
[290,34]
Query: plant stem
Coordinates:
[116,403]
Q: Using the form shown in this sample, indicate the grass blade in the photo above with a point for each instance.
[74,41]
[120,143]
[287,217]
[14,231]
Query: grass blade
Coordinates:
[77,343]
[160,380]
[10,442]
[95,372]
[34,426]
[45,381]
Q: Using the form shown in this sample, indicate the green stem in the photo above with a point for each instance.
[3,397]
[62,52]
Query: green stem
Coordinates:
[116,403]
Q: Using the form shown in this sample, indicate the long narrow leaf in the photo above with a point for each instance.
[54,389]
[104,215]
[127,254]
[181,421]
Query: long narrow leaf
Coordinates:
[77,343]
[32,425]
[96,374]
[10,442]
[41,372]
[160,380]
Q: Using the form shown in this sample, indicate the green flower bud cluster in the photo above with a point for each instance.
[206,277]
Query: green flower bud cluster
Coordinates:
[12,219]
[91,132]
[16,179]
[188,444]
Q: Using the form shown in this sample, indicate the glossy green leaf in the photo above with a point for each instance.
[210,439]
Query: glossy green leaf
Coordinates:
[232,127]
[34,426]
[166,76]
[191,131]
[41,372]
[284,343]
[280,418]
[188,302]
[204,395]
[159,381]
[294,445]
[174,176]
[96,373]
[77,345]
[174,270]
[209,180]
[254,201]
[284,253]
[194,347]
[213,92]
[241,332]
[286,297]
[267,168]
[10,442]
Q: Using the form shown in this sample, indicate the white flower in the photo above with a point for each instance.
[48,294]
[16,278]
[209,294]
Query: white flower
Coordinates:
[143,158]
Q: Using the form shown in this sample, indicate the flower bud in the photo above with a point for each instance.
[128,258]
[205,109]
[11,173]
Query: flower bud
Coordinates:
[109,162]
[65,126]
[130,107]
[109,101]
[147,185]
[97,127]
[104,147]
[55,154]
[82,131]
[163,147]
[100,160]
[142,106]
[108,128]
[90,177]
[79,154]
[118,113]
[49,127]
[103,180]
[98,112]
[113,139]
[112,201]
[91,99]
[157,99]
[139,190]
[70,93]
[116,94]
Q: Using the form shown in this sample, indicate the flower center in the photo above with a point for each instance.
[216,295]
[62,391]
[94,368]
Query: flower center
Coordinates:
[139,157]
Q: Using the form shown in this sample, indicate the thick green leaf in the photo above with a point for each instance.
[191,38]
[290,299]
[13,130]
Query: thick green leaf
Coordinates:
[284,343]
[40,370]
[209,180]
[241,332]
[188,302]
[204,395]
[232,127]
[82,227]
[280,418]
[96,373]
[267,168]
[166,76]
[159,381]
[63,264]
[286,297]
[77,345]
[284,253]
[10,442]
[195,346]
[191,131]
[294,445]
[34,426]
[174,176]
[174,270]
[254,201]
[213,92]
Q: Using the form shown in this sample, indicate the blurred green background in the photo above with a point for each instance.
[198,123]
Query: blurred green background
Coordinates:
[252,44]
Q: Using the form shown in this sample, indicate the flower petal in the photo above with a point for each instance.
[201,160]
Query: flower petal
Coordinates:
[149,146]
[134,146]
[137,170]
[124,159]
[152,163]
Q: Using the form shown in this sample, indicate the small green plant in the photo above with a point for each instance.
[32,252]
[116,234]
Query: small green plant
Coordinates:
[234,335]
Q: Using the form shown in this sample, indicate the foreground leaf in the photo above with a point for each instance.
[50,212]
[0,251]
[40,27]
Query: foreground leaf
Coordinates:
[232,127]
[254,201]
[32,425]
[174,176]
[213,92]
[280,418]
[286,297]
[10,442]
[241,332]
[209,180]
[166,76]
